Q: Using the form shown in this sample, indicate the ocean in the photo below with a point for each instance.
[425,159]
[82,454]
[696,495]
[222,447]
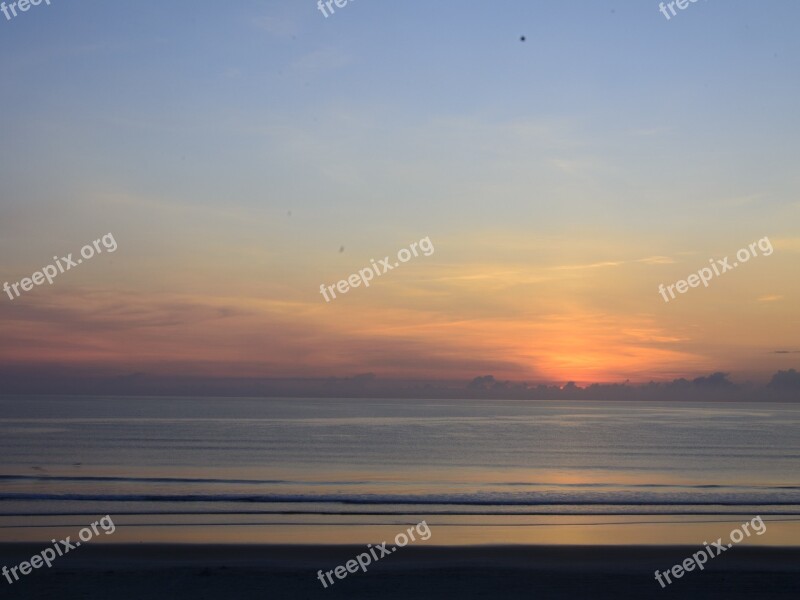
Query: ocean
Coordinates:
[331,471]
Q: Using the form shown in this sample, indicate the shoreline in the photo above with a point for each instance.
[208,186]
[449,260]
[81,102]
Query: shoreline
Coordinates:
[566,558]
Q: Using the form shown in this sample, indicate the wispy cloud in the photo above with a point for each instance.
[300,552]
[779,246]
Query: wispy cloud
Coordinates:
[657,260]
[323,60]
[650,260]
[741,200]
[589,266]
[647,132]
[276,26]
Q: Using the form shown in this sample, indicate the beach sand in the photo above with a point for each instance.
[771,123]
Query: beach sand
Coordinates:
[241,572]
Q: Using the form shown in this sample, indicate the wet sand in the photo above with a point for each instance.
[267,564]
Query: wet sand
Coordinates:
[242,572]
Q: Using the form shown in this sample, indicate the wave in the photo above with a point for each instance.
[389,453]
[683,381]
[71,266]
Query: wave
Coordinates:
[187,480]
[172,480]
[486,499]
[229,524]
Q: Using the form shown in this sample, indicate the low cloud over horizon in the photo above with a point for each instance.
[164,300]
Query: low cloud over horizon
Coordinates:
[783,386]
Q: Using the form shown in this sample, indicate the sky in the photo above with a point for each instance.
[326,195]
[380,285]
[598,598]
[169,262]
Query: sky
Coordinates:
[244,154]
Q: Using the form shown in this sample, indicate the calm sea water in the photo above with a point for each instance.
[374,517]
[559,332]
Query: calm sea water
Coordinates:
[348,470]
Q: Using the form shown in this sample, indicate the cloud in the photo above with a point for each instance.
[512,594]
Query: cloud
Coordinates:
[714,387]
[657,260]
[785,381]
[276,26]
[588,266]
[742,200]
[94,311]
[574,166]
[649,260]
[715,380]
[649,132]
[323,60]
[786,244]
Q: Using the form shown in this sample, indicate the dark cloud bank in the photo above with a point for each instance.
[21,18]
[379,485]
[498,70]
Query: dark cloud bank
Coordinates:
[783,387]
